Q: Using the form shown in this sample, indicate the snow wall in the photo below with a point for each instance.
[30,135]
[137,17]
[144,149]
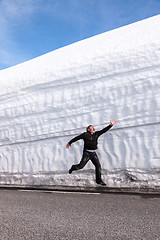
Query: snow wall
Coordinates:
[47,101]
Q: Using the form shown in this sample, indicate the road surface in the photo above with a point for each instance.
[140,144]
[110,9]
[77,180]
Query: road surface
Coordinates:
[41,215]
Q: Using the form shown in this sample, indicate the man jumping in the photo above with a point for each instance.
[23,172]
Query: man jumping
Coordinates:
[90,138]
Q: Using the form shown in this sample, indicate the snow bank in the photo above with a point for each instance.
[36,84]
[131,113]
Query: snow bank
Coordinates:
[47,101]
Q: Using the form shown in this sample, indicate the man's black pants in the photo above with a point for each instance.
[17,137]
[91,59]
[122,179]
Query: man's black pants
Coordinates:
[85,158]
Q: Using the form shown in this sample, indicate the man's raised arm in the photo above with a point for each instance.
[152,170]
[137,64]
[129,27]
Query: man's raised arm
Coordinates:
[106,128]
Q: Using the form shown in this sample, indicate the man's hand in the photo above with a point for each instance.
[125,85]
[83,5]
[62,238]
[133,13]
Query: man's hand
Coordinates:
[68,145]
[113,122]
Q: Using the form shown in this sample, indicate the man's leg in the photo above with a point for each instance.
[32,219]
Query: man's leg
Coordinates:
[83,162]
[95,161]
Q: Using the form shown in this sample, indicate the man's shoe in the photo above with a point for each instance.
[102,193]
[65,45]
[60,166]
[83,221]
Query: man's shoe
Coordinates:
[101,183]
[70,170]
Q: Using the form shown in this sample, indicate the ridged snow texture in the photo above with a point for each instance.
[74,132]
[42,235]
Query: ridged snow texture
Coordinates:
[47,101]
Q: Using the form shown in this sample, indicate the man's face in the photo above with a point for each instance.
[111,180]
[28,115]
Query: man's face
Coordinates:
[91,129]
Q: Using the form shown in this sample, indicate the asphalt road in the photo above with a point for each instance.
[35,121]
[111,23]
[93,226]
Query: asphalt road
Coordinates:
[75,216]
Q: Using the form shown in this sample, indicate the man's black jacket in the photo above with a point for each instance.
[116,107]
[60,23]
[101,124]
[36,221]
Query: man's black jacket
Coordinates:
[90,140]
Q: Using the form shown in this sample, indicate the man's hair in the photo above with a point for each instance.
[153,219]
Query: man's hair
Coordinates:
[88,128]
